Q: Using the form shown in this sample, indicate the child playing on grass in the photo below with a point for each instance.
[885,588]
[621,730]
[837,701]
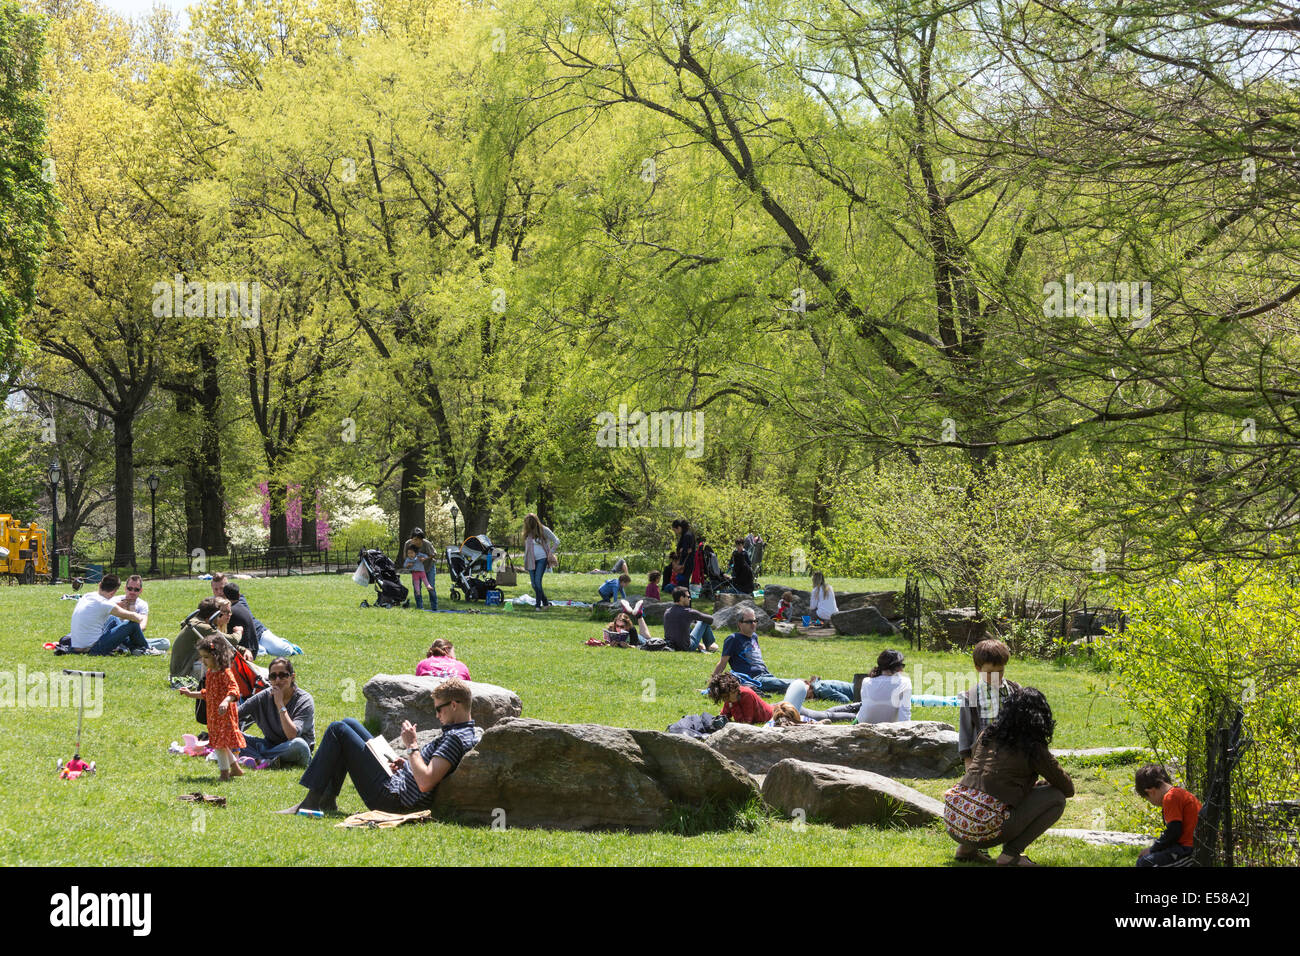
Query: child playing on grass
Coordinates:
[652,588]
[615,588]
[1180,809]
[418,577]
[222,695]
[785,608]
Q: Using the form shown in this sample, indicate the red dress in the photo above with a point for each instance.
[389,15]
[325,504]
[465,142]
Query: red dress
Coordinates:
[223,729]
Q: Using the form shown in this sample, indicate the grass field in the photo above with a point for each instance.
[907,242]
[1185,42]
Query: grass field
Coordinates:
[128,814]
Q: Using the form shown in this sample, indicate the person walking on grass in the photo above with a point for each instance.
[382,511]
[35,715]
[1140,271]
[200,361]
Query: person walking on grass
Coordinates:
[540,543]
[408,783]
[1000,801]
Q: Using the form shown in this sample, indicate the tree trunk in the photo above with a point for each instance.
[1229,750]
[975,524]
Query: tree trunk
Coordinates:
[279,516]
[543,505]
[411,497]
[211,486]
[308,537]
[124,488]
[476,518]
[193,510]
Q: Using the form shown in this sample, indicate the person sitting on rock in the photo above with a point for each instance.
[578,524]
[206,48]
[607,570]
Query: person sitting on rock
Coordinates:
[741,653]
[740,704]
[686,629]
[408,783]
[821,603]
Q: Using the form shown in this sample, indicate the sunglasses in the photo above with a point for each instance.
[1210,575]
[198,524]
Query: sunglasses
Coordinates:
[748,620]
[278,674]
[133,589]
[438,709]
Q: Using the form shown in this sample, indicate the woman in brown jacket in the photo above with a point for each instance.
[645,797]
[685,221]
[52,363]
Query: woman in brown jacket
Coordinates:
[1009,757]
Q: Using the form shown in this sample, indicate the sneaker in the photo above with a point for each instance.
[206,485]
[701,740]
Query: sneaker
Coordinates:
[138,652]
[153,652]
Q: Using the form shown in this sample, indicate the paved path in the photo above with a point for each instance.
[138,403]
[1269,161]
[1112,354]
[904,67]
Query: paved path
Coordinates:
[1098,751]
[1102,837]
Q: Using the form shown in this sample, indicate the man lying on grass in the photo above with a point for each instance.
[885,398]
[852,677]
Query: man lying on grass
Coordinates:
[407,783]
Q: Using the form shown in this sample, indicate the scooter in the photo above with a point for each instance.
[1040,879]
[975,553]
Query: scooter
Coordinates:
[74,768]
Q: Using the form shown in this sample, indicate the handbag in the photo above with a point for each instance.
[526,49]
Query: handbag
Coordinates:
[507,576]
[972,816]
[552,560]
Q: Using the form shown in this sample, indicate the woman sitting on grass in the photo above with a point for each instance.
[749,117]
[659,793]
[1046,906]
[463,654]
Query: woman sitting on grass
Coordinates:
[440,661]
[999,802]
[887,691]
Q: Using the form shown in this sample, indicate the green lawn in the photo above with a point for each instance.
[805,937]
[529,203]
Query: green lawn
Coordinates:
[129,814]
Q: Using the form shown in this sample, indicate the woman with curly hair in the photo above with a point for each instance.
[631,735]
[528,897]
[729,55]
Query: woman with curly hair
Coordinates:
[740,704]
[1000,801]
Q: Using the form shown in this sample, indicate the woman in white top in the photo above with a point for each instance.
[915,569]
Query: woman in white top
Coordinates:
[887,691]
[821,605]
[540,543]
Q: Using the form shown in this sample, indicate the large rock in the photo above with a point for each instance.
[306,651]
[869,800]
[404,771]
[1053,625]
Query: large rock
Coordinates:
[727,599]
[393,698]
[862,620]
[530,773]
[845,797]
[886,602]
[724,619]
[962,627]
[908,748]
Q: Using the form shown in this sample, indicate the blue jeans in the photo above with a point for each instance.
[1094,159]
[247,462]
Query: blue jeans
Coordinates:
[702,635]
[296,751]
[764,683]
[840,691]
[118,633]
[1165,857]
[535,578]
[342,753]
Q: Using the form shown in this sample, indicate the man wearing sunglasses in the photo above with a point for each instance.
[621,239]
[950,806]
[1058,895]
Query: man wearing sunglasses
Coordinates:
[101,623]
[742,653]
[408,783]
[286,714]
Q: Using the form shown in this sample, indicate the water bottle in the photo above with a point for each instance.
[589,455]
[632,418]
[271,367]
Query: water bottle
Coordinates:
[311,813]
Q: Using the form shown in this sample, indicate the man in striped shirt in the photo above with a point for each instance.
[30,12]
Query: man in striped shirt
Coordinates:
[408,784]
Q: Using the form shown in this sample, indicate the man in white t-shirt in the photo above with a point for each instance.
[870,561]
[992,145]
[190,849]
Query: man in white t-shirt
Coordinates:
[92,611]
[133,600]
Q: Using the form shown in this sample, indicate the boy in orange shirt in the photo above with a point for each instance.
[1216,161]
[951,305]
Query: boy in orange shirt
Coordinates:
[1180,809]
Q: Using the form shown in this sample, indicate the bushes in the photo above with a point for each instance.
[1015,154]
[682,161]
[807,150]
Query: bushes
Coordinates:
[1216,635]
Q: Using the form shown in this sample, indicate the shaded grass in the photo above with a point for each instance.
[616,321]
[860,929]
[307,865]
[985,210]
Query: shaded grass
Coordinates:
[129,814]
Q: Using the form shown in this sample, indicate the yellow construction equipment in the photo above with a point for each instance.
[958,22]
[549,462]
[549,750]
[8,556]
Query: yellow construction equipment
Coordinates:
[24,552]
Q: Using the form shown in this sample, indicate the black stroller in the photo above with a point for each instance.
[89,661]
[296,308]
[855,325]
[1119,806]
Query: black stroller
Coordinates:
[389,589]
[714,581]
[462,563]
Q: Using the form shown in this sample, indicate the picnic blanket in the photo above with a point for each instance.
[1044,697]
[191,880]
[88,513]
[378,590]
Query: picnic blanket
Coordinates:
[382,820]
[527,600]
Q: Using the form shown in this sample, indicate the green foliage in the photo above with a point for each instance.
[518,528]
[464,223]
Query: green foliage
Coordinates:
[1215,637]
[22,481]
[365,533]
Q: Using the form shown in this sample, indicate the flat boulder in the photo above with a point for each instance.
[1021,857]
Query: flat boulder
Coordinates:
[907,748]
[531,773]
[886,602]
[845,797]
[393,698]
[862,620]
[724,619]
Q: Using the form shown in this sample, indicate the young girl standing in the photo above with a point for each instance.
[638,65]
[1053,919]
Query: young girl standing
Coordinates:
[222,696]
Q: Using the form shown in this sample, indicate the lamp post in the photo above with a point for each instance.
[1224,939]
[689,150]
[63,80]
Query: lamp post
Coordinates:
[54,474]
[152,482]
[454,511]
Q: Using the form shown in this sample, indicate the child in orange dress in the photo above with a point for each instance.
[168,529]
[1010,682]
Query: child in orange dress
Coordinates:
[222,695]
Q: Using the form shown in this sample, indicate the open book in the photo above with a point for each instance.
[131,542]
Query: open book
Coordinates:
[382,752]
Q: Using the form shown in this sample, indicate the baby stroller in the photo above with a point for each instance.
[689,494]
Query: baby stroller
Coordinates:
[754,547]
[475,554]
[382,573]
[713,578]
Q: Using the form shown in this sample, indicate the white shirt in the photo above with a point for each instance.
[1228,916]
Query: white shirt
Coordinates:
[88,618]
[821,604]
[885,699]
[141,605]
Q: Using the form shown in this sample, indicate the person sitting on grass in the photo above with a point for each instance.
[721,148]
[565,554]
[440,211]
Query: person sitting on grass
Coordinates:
[887,691]
[286,714]
[185,649]
[686,629]
[982,703]
[408,783]
[652,587]
[740,704]
[615,588]
[440,661]
[741,653]
[90,633]
[623,633]
[1180,809]
[785,607]
[998,801]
